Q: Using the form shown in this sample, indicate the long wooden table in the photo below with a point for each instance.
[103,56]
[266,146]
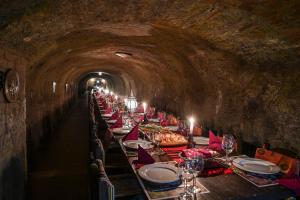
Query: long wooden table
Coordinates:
[220,187]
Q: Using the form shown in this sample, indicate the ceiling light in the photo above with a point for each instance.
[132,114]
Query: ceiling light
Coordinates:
[100,73]
[123,54]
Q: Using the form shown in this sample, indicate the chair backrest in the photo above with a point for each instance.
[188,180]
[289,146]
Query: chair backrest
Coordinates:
[99,152]
[101,187]
[108,138]
[288,165]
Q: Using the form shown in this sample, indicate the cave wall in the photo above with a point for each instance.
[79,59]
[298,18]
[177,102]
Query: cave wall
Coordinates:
[12,132]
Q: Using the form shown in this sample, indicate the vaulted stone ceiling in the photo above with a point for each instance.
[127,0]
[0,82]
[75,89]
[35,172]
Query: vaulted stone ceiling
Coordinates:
[235,62]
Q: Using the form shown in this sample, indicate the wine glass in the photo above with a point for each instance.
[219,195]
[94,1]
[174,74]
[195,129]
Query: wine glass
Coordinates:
[228,145]
[185,176]
[157,140]
[196,164]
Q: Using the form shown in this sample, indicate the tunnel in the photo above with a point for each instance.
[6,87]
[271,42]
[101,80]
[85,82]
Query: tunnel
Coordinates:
[232,65]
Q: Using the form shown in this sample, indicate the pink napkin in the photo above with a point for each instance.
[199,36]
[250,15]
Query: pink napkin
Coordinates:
[291,183]
[143,157]
[215,142]
[164,123]
[115,115]
[118,124]
[108,110]
[133,134]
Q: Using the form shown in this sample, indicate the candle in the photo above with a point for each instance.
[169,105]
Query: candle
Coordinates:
[192,121]
[145,106]
[116,97]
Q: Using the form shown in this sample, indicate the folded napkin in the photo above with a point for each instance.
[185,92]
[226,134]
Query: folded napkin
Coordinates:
[118,124]
[161,115]
[144,158]
[164,123]
[133,134]
[108,110]
[291,183]
[215,142]
[115,115]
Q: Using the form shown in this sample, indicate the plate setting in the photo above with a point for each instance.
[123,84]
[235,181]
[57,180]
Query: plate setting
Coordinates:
[255,165]
[160,173]
[121,131]
[133,144]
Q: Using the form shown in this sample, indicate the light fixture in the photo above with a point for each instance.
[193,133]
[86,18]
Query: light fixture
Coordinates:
[116,97]
[111,93]
[123,54]
[53,87]
[100,73]
[106,91]
[103,80]
[97,81]
[131,102]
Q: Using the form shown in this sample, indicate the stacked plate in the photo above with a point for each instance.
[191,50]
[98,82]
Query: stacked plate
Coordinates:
[133,144]
[159,173]
[171,128]
[112,121]
[255,165]
[201,140]
[120,131]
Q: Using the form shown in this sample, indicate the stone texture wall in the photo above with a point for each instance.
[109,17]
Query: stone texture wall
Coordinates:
[12,133]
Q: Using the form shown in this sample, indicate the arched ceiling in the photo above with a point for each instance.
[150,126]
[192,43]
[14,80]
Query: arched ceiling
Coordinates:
[198,56]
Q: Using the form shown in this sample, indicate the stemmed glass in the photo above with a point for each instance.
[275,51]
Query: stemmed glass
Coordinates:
[228,145]
[196,164]
[185,176]
[157,140]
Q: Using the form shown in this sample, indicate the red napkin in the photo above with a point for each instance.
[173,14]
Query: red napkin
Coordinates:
[215,142]
[108,110]
[118,124]
[133,134]
[161,115]
[115,115]
[291,183]
[143,158]
[164,123]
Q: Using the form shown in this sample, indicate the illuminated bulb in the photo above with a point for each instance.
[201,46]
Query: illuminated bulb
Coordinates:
[116,97]
[100,73]
[103,80]
[97,81]
[111,93]
[106,91]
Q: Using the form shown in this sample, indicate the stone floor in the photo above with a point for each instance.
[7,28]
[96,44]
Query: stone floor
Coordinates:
[59,169]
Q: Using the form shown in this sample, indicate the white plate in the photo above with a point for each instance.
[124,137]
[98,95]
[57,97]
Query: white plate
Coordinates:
[159,173]
[120,131]
[201,140]
[255,165]
[171,128]
[133,144]
[112,121]
[154,120]
[107,115]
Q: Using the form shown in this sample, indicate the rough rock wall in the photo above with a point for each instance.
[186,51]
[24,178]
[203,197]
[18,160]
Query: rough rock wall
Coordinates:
[12,133]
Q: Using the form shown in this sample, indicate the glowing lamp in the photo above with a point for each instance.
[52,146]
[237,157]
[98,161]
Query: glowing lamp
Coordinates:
[131,102]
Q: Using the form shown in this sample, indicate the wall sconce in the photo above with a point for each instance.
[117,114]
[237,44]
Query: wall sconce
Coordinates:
[53,87]
[66,87]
